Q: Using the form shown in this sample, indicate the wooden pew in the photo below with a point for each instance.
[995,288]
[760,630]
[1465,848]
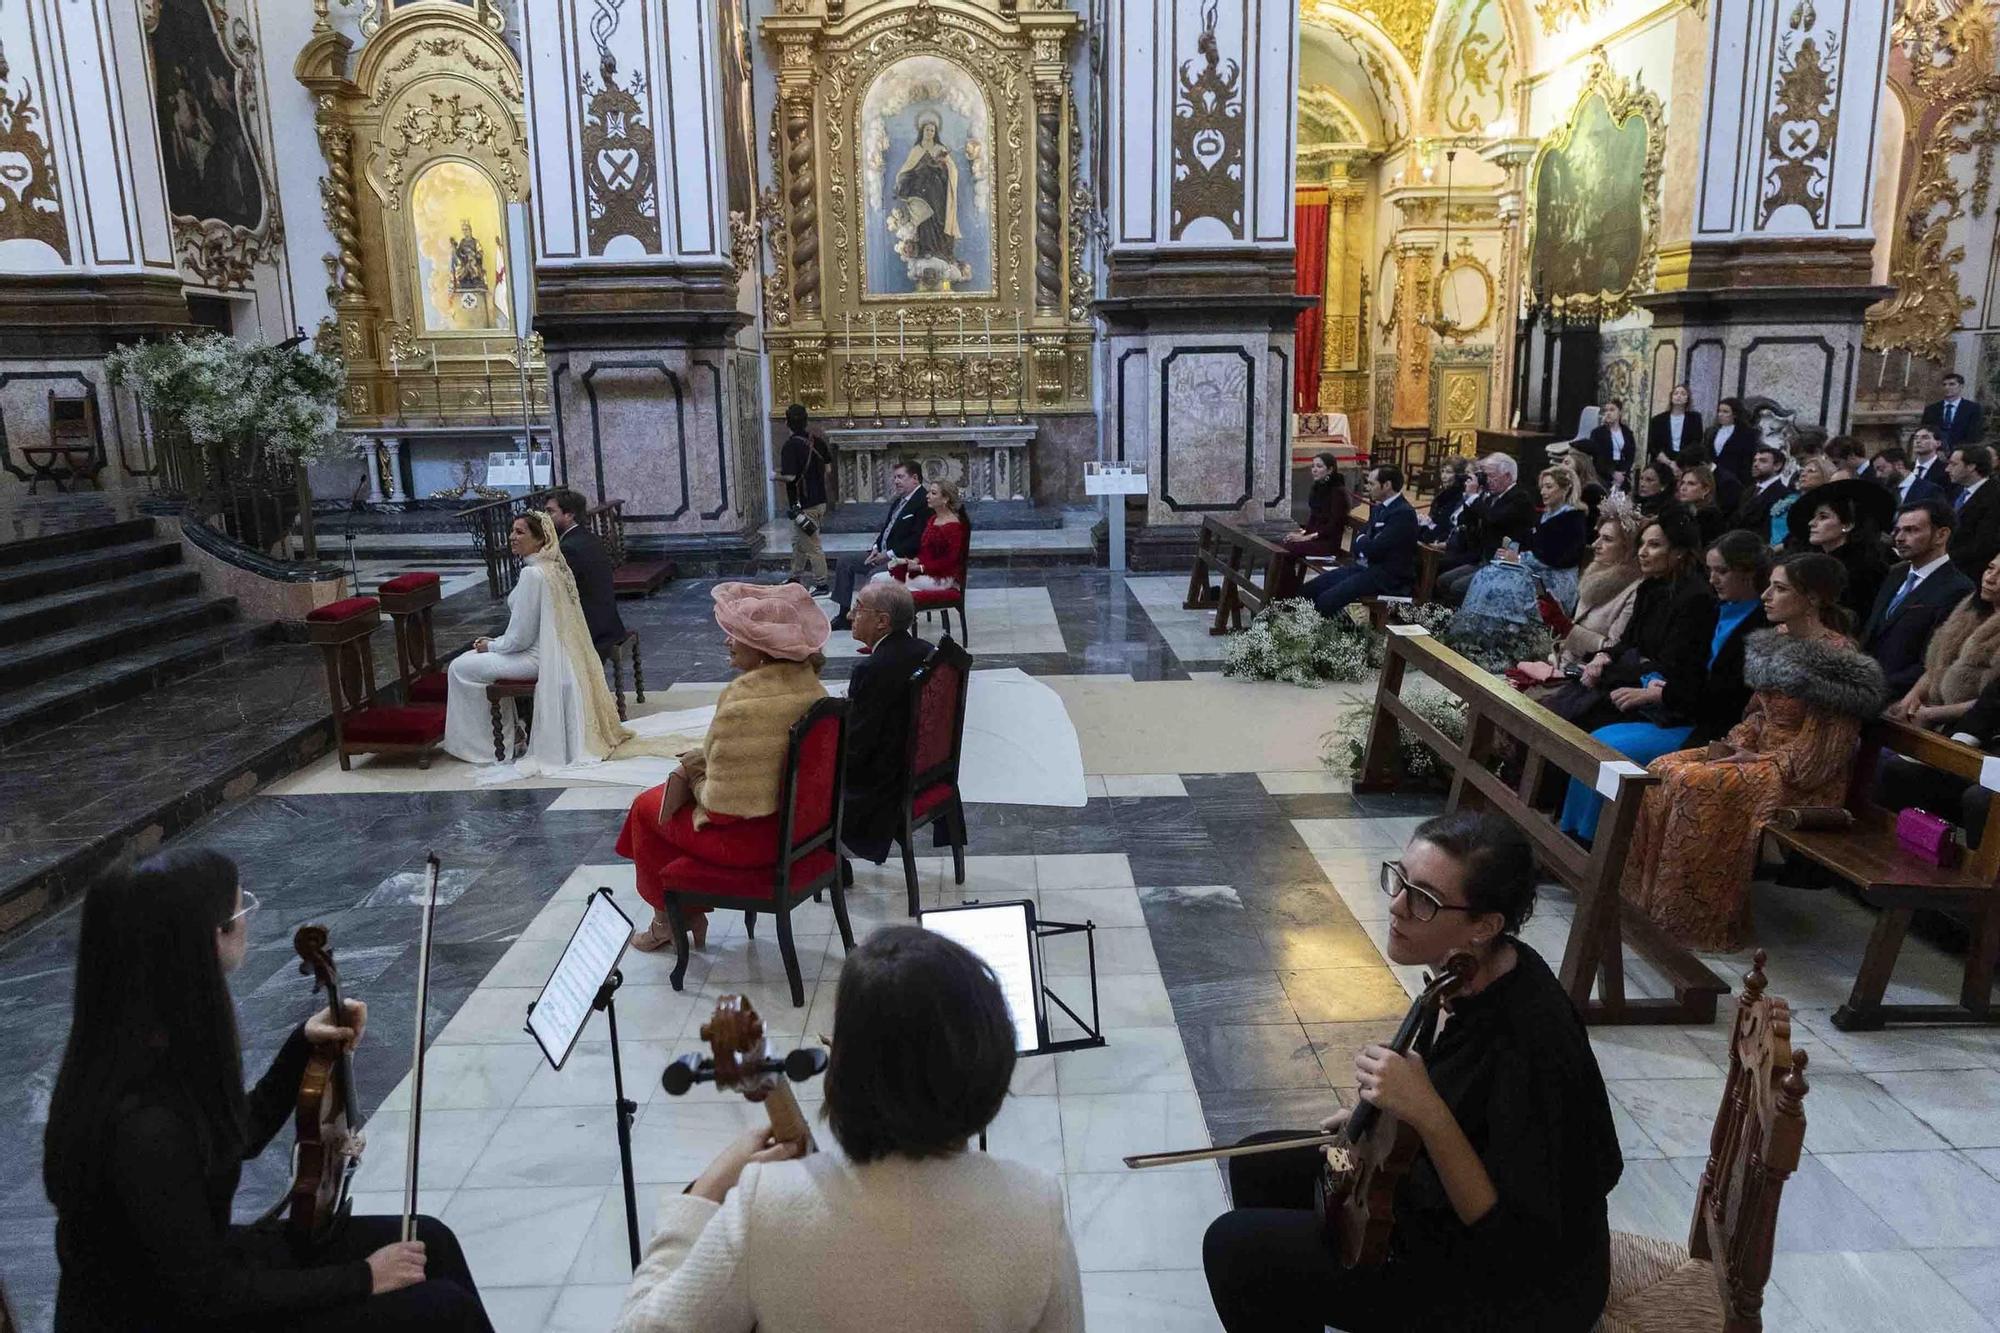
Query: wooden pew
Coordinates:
[1866,855]
[1252,572]
[1495,714]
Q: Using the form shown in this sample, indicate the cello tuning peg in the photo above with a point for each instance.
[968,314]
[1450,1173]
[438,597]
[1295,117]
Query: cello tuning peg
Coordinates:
[805,1062]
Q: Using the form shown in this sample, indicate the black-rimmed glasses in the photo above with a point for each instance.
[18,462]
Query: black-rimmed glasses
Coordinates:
[1424,905]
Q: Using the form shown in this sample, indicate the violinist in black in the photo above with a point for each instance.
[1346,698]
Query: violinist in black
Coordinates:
[1500,1223]
[149,1126]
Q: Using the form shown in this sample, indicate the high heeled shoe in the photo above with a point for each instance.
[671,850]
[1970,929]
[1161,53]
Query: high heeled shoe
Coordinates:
[656,936]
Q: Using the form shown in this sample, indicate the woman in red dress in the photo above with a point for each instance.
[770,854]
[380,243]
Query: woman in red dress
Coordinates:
[721,804]
[940,558]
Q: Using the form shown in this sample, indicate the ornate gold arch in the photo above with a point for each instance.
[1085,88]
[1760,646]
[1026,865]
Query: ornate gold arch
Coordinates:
[833,346]
[434,82]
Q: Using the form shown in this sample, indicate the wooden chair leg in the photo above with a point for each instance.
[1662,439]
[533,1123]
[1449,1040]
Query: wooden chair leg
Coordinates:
[958,840]
[499,733]
[618,684]
[1863,1010]
[790,953]
[909,865]
[1976,994]
[678,920]
[638,675]
[840,915]
[750,924]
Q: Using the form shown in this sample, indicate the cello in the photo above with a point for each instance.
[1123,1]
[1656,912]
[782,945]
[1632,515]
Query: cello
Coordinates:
[740,1060]
[328,1148]
[1355,1194]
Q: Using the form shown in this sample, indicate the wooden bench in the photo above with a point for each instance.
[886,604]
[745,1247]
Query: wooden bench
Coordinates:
[1497,714]
[1251,570]
[1866,856]
[629,577]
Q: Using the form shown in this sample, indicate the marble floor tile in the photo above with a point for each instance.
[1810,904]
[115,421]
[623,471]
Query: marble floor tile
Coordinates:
[1934,1200]
[522,1236]
[431,1199]
[1100,1130]
[1844,1113]
[1139,1000]
[491,1017]
[1107,870]
[1105,907]
[605,1257]
[1348,835]
[1896,1049]
[1987,1160]
[1633,1144]
[1300,948]
[1273,1055]
[596,796]
[1144,784]
[1649,1052]
[1029,1130]
[1652,1199]
[519,1309]
[1975,1273]
[1963,1105]
[1252,997]
[1310,782]
[585,1078]
[470,1078]
[1344,994]
[1868,1293]
[549,1145]
[526,963]
[1159,1302]
[587,1308]
[1134,1060]
[675,1138]
[1121,951]
[990,877]
[1126,1221]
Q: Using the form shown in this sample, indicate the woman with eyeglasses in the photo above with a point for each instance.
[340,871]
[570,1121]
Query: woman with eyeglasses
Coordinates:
[149,1127]
[1500,1223]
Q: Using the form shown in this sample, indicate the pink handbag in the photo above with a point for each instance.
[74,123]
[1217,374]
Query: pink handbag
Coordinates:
[1926,837]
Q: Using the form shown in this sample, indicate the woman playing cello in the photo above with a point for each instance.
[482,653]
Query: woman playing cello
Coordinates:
[1500,1223]
[149,1128]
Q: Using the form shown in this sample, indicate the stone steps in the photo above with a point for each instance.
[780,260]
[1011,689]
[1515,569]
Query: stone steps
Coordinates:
[75,694]
[37,616]
[49,575]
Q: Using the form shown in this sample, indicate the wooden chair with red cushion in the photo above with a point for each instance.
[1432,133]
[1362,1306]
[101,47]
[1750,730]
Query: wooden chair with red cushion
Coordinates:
[938,690]
[407,600]
[943,601]
[1716,1283]
[362,724]
[806,850]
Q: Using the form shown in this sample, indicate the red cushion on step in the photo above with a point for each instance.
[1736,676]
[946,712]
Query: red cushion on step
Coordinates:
[347,608]
[691,876]
[389,725]
[431,689]
[410,582]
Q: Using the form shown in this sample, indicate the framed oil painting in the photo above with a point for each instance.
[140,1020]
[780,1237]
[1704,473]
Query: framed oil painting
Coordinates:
[210,164]
[460,241]
[1593,212]
[927,171]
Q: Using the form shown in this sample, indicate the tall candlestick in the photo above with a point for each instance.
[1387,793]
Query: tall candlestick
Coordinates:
[902,353]
[963,387]
[395,379]
[486,367]
[875,360]
[989,365]
[847,345]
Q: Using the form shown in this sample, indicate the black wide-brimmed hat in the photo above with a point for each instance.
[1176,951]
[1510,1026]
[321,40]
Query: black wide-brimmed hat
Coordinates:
[1870,501]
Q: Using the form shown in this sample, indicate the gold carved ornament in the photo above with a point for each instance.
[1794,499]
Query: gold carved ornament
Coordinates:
[1623,99]
[1208,136]
[1470,64]
[1951,59]
[374,13]
[1406,22]
[31,205]
[1800,130]
[447,121]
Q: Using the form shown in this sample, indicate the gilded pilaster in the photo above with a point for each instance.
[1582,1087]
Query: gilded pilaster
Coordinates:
[801,183]
[1410,407]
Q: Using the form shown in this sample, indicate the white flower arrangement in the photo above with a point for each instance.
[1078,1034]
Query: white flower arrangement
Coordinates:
[1291,641]
[255,401]
[1343,748]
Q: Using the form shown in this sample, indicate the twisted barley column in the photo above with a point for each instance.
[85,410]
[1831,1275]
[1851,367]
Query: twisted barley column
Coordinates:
[337,197]
[800,188]
[1048,201]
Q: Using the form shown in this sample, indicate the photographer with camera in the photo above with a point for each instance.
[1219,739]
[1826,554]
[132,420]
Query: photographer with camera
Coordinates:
[802,465]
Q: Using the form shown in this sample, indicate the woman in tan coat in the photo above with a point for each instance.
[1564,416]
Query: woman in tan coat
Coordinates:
[1963,655]
[1604,596]
[721,804]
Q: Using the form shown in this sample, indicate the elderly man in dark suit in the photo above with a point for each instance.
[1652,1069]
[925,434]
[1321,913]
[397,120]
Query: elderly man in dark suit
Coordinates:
[1503,512]
[878,718]
[1955,418]
[902,528]
[1916,596]
[590,563]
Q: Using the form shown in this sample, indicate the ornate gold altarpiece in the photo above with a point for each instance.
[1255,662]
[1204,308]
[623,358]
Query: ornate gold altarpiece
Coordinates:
[1010,348]
[435,94]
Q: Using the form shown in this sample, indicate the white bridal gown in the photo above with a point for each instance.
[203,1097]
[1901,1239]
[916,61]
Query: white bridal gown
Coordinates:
[515,655]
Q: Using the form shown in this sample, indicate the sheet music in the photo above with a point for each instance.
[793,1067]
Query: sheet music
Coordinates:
[559,1013]
[1000,935]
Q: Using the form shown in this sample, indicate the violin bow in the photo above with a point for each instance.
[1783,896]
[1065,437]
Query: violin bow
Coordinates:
[417,1056]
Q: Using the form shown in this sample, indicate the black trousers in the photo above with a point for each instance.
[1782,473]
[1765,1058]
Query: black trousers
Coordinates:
[851,568]
[446,1300]
[1270,1271]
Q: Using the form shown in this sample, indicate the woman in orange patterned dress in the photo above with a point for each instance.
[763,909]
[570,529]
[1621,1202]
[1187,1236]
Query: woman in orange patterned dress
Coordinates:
[1696,845]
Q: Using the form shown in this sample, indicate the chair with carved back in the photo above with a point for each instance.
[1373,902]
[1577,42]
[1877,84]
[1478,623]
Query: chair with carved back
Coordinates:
[362,724]
[1716,1283]
[938,691]
[410,600]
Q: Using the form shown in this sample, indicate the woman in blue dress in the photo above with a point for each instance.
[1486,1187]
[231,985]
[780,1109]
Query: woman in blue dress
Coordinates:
[1501,597]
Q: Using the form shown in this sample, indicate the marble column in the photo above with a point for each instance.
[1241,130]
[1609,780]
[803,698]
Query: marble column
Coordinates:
[636,299]
[86,253]
[1765,264]
[1198,299]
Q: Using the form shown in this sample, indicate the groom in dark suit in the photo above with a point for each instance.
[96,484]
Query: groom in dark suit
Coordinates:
[1916,596]
[590,563]
[878,718]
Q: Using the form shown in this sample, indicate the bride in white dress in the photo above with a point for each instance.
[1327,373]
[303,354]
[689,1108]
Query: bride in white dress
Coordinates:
[576,719]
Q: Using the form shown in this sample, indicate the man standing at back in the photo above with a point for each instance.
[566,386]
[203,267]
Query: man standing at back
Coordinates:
[1955,419]
[802,465]
[902,528]
[590,563]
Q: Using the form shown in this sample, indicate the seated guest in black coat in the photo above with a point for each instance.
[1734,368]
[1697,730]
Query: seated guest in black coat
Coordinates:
[1892,469]
[1845,524]
[1916,596]
[1975,535]
[1695,489]
[1385,552]
[1767,487]
[1448,503]
[1326,511]
[1612,447]
[1677,430]
[878,718]
[591,565]
[1504,512]
[1653,486]
[1956,419]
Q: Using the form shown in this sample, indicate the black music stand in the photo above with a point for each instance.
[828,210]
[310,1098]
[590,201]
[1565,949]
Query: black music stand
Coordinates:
[584,980]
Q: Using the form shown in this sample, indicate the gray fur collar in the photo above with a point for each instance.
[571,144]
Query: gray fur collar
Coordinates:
[1824,675]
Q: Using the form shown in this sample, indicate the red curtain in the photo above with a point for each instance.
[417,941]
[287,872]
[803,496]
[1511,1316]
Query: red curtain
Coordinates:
[1310,210]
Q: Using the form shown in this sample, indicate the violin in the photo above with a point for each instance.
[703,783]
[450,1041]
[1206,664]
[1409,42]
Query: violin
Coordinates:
[739,1059]
[1355,1193]
[327,1121]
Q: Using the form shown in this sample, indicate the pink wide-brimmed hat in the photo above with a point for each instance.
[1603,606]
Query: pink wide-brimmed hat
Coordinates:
[778,620]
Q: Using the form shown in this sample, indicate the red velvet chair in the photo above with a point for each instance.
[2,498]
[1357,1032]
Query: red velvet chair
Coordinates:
[362,724]
[808,849]
[407,600]
[944,601]
[937,735]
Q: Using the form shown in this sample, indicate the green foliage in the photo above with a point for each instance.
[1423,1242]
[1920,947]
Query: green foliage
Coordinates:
[253,401]
[1343,748]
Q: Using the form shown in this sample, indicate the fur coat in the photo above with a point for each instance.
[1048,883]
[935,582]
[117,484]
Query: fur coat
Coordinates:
[1834,677]
[742,759]
[1604,601]
[1963,655]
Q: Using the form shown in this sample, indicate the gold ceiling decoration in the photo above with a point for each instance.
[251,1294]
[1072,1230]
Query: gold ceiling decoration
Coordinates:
[1407,23]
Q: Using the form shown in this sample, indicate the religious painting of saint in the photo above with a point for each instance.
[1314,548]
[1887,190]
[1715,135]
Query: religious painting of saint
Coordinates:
[461,248]
[927,170]
[211,166]
[1589,214]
